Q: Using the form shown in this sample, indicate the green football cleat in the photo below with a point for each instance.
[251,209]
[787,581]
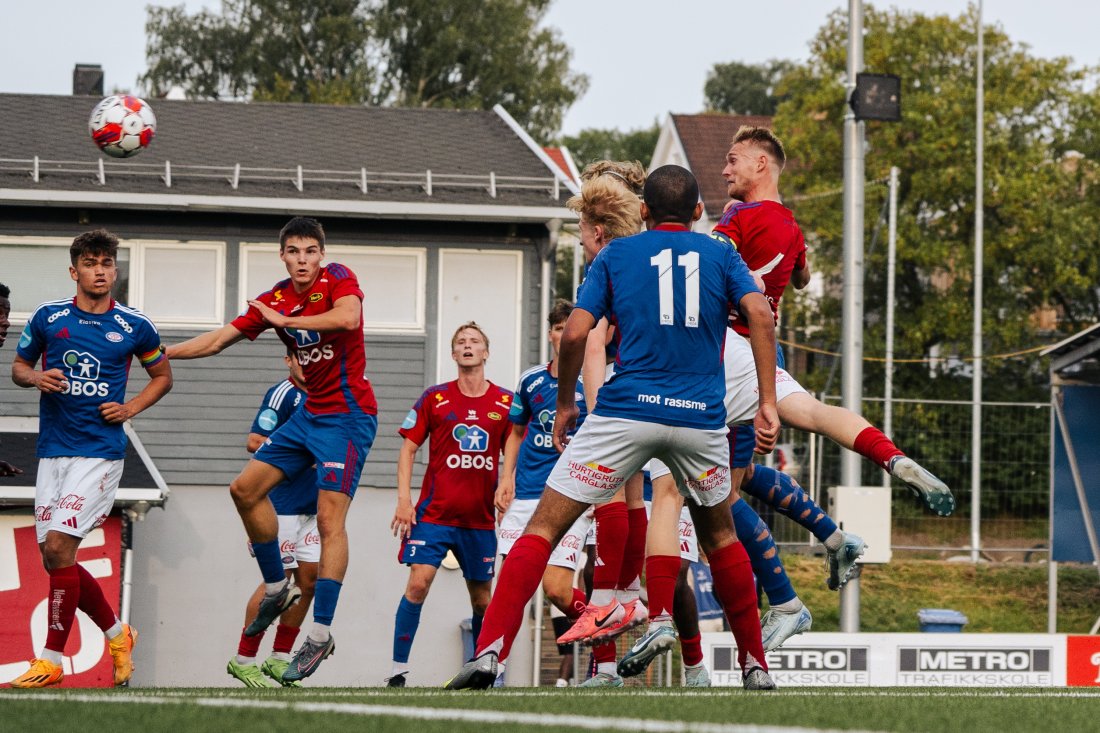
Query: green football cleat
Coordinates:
[249,674]
[603,679]
[274,669]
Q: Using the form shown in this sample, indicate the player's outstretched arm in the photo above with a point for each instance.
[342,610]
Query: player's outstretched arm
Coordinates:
[755,308]
[6,469]
[404,517]
[345,315]
[24,374]
[207,344]
[160,381]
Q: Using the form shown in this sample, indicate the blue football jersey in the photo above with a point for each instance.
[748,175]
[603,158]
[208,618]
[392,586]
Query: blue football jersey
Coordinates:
[94,351]
[297,494]
[668,292]
[534,406]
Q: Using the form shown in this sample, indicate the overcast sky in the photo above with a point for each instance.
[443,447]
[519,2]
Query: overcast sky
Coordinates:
[644,58]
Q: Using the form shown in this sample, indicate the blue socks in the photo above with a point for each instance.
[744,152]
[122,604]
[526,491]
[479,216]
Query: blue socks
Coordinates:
[783,492]
[475,625]
[405,624]
[270,560]
[325,596]
[763,554]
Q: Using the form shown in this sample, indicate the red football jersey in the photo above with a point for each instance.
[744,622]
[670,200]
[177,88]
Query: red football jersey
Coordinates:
[771,243]
[467,435]
[334,362]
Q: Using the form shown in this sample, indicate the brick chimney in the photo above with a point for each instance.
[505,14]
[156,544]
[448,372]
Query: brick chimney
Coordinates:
[88,80]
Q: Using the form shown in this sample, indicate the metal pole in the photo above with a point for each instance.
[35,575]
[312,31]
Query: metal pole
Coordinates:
[852,321]
[891,265]
[976,385]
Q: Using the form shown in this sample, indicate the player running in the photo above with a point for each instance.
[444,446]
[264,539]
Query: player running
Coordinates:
[295,502]
[318,313]
[466,425]
[86,344]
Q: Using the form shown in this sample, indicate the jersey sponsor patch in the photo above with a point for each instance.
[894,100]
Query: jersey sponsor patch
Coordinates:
[268,419]
[471,438]
[25,337]
[114,337]
[314,297]
[410,421]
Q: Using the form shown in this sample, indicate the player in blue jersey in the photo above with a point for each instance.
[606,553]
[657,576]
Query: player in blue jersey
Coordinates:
[295,502]
[6,469]
[669,292]
[85,345]
[529,455]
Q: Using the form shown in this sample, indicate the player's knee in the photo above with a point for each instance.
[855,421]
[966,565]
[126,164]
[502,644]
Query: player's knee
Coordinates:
[242,494]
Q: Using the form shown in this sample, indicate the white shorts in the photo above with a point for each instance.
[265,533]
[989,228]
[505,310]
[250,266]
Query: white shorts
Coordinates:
[298,540]
[606,451]
[570,551]
[74,495]
[742,391]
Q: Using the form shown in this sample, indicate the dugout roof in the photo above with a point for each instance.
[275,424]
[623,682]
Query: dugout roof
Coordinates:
[1076,358]
[280,158]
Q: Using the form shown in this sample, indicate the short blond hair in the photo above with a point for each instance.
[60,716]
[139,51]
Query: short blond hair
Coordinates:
[472,326]
[611,197]
[764,139]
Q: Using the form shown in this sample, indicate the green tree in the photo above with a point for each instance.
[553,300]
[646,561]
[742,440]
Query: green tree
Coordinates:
[466,54]
[745,89]
[475,54]
[1035,254]
[592,144]
[273,50]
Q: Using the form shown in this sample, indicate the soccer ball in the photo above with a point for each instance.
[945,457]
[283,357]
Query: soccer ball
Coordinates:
[122,125]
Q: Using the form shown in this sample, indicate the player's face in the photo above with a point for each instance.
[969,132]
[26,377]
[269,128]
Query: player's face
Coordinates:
[302,257]
[742,169]
[95,275]
[555,337]
[5,324]
[591,239]
[469,349]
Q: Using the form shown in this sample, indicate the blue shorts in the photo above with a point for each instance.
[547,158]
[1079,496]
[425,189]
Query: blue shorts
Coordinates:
[742,439]
[476,549]
[336,444]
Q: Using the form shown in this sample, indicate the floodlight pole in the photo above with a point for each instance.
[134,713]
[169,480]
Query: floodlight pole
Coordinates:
[852,318]
[976,384]
[891,265]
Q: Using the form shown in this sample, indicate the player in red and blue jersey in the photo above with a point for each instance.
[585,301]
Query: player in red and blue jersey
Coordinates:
[86,344]
[318,313]
[466,425]
[295,502]
[669,292]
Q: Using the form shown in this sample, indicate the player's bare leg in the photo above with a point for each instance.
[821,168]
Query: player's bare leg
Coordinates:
[557,585]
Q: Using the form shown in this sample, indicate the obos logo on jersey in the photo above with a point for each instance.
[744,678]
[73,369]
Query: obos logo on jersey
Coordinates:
[305,339]
[83,374]
[545,422]
[471,439]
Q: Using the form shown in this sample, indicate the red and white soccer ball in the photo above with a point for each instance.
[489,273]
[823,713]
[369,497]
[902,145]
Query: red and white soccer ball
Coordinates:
[122,126]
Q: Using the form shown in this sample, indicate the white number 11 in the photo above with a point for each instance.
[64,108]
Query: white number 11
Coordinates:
[690,262]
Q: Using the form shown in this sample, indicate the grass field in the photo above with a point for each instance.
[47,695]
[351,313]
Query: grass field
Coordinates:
[335,710]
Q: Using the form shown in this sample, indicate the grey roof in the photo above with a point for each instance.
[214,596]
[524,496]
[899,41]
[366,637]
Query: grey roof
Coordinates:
[468,153]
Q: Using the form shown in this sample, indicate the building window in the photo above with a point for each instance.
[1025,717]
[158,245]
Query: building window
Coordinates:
[392,280]
[174,283]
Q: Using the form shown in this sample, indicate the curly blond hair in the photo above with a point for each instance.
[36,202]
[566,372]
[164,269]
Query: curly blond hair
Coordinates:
[611,197]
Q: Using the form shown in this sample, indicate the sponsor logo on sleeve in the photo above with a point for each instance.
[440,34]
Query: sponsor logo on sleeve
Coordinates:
[268,419]
[25,337]
[410,421]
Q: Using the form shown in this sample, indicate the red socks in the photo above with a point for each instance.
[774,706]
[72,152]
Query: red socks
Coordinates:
[735,589]
[93,602]
[284,638]
[634,552]
[249,646]
[661,572]
[604,651]
[519,579]
[576,608]
[691,648]
[612,530]
[63,600]
[873,445]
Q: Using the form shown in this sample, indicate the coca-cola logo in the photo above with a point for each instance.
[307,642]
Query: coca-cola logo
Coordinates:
[311,538]
[73,502]
[571,541]
[287,547]
[42,513]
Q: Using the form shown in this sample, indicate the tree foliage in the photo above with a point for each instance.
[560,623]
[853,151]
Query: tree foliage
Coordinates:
[1040,228]
[593,144]
[745,89]
[467,54]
